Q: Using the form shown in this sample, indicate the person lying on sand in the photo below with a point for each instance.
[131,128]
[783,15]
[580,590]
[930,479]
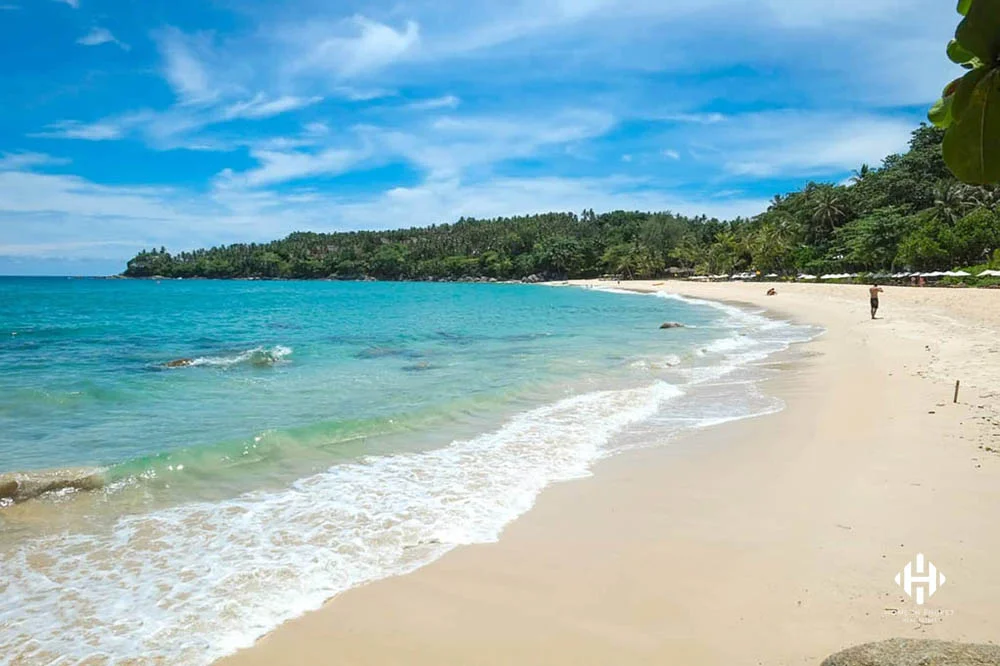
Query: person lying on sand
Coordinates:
[772,292]
[874,291]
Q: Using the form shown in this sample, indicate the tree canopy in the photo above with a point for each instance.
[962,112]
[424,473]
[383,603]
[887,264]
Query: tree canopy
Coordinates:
[907,213]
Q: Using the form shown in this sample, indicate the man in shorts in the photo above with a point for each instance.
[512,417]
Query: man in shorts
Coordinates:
[874,291]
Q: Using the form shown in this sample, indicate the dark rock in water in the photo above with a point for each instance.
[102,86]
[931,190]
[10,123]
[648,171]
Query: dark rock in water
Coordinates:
[8,487]
[672,324]
[27,485]
[179,363]
[418,367]
[387,352]
[911,652]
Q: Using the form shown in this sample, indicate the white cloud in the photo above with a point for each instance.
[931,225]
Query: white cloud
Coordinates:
[693,118]
[184,68]
[361,46]
[73,129]
[316,128]
[445,102]
[21,161]
[98,36]
[262,107]
[363,94]
[806,144]
[450,145]
[75,4]
[626,158]
[281,166]
[671,154]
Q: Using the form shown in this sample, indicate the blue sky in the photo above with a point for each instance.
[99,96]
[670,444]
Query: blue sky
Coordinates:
[190,123]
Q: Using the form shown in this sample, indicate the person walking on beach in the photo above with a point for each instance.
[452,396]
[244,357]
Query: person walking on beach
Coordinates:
[874,291]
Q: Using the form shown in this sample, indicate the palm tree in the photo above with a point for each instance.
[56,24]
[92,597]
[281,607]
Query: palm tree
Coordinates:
[861,174]
[829,208]
[951,202]
[771,244]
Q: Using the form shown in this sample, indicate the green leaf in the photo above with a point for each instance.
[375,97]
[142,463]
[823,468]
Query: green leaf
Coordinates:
[972,142]
[952,87]
[963,90]
[940,113]
[979,31]
[963,6]
[958,54]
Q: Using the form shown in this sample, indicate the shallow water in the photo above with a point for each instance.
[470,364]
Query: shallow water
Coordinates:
[316,436]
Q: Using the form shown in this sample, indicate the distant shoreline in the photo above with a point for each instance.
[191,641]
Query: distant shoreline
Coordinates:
[536,280]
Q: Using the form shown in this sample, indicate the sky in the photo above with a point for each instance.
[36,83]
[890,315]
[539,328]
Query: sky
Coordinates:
[131,124]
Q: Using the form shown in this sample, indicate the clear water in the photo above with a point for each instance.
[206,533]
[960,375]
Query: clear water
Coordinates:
[318,435]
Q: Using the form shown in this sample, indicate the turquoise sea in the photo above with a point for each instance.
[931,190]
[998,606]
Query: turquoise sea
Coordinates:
[316,436]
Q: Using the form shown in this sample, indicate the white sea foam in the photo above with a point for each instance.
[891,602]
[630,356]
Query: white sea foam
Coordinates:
[189,584]
[663,363]
[259,356]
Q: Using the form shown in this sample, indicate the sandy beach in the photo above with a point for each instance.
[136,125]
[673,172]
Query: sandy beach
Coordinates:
[773,540]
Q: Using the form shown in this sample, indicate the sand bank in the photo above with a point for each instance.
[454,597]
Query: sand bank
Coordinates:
[769,541]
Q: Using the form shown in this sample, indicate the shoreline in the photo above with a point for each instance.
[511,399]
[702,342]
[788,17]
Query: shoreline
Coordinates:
[894,282]
[773,539]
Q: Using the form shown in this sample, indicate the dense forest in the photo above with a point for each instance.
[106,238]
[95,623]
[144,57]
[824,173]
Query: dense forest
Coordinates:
[907,214]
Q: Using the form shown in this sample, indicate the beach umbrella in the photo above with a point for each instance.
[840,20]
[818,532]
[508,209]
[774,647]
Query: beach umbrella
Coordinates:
[805,276]
[961,274]
[989,273]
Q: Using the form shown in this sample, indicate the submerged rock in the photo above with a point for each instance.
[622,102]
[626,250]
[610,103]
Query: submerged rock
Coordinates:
[672,324]
[20,486]
[179,363]
[911,652]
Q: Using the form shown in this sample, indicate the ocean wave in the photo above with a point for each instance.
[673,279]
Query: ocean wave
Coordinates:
[257,357]
[189,584]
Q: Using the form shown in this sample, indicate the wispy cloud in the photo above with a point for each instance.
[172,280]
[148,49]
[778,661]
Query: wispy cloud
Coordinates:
[279,167]
[184,67]
[98,36]
[807,144]
[73,129]
[444,102]
[357,46]
[75,4]
[693,118]
[22,161]
[671,154]
[262,107]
